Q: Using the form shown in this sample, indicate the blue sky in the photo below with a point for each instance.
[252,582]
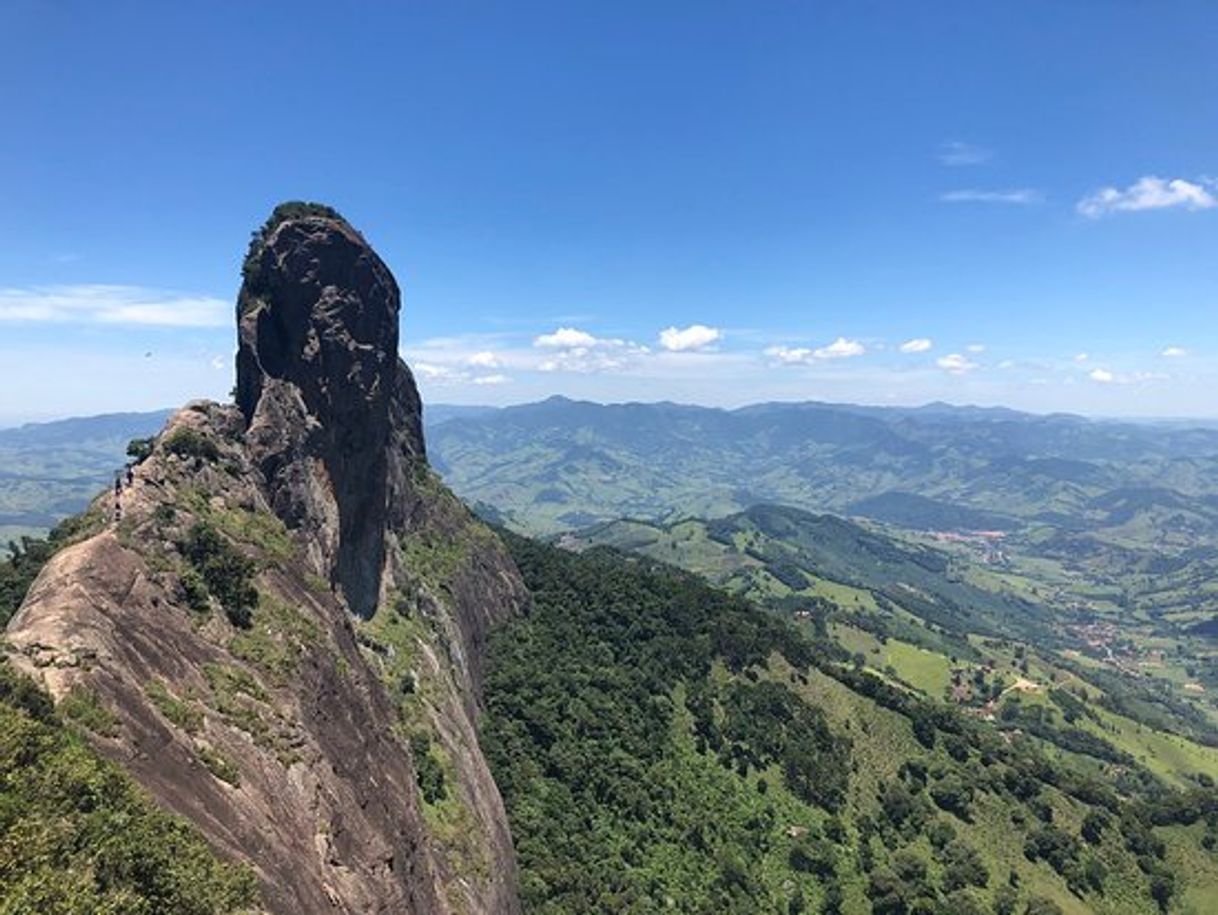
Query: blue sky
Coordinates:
[1009,203]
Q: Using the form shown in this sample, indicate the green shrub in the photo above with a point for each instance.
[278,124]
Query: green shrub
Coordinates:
[191,443]
[953,794]
[224,571]
[83,707]
[427,770]
[139,449]
[219,765]
[813,856]
[962,867]
[183,713]
[290,209]
[1040,905]
[276,640]
[194,589]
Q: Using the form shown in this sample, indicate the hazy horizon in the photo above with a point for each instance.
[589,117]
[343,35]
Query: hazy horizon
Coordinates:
[7,423]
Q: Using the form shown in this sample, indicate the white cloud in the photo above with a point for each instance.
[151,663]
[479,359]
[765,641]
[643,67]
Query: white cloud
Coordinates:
[1103,376]
[955,363]
[689,339]
[1082,357]
[219,363]
[917,345]
[1174,352]
[565,338]
[483,360]
[1148,193]
[1007,364]
[433,372]
[976,347]
[580,351]
[438,374]
[955,152]
[789,355]
[841,348]
[1022,196]
[98,303]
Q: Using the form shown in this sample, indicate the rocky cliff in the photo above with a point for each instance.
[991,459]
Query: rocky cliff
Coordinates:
[286,610]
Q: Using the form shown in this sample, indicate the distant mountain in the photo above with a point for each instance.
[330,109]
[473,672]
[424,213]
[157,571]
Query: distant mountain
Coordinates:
[79,430]
[443,412]
[562,464]
[51,470]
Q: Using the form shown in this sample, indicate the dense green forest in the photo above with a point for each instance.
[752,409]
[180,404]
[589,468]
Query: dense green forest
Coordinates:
[664,746]
[78,836]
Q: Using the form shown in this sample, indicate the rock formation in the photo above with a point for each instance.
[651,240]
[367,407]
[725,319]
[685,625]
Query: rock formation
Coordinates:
[289,613]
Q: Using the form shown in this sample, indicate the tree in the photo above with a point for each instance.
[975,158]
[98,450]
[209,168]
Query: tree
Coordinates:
[1094,824]
[226,573]
[139,449]
[1041,905]
[953,794]
[1162,888]
[1005,900]
[963,867]
[813,856]
[962,902]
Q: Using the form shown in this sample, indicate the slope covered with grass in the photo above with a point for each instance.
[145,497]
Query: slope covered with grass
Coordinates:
[664,746]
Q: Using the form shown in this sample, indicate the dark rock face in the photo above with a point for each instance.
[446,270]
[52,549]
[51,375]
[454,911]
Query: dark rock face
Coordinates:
[318,346]
[290,742]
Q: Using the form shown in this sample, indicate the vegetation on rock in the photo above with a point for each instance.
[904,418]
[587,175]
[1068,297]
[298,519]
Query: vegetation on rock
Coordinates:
[77,835]
[27,557]
[223,570]
[190,443]
[291,209]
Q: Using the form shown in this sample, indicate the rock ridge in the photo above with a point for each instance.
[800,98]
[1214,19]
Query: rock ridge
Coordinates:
[286,611]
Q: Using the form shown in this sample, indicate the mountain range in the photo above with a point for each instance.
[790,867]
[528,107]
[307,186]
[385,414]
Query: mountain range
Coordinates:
[563,464]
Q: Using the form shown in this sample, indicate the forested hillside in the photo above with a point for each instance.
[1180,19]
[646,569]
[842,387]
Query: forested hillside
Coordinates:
[980,635]
[76,833]
[663,746]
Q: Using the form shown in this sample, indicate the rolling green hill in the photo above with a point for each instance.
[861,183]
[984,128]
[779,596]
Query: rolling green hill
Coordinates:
[1100,538]
[936,618]
[772,551]
[664,746]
